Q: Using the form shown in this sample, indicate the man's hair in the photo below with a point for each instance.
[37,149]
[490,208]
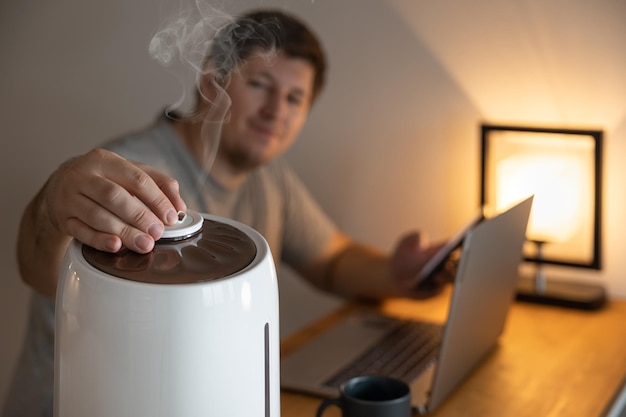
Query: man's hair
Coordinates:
[266,31]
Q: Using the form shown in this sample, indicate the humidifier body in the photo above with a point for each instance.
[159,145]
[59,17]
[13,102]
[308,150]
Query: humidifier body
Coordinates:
[129,348]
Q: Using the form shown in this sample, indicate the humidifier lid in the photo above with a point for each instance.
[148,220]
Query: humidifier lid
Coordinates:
[193,250]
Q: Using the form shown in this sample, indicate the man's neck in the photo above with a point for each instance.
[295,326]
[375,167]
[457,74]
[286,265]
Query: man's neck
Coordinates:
[190,134]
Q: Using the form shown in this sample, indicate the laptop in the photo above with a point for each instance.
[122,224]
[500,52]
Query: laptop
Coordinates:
[432,358]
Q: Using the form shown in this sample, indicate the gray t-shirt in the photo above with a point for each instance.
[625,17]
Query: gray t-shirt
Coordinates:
[272,200]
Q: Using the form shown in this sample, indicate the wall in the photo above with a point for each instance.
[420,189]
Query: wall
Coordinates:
[530,62]
[392,144]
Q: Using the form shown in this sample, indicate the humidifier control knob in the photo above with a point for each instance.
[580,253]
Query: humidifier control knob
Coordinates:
[188,224]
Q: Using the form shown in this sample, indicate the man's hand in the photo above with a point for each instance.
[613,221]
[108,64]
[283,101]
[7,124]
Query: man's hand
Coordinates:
[407,260]
[107,202]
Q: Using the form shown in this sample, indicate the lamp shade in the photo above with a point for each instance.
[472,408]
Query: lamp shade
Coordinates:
[561,169]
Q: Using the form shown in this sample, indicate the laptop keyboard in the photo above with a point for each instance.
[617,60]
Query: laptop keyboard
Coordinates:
[403,353]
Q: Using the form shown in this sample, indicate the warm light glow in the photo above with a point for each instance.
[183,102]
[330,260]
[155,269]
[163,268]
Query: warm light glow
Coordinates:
[557,209]
[558,170]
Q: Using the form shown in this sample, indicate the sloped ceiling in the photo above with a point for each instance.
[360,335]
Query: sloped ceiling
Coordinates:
[530,61]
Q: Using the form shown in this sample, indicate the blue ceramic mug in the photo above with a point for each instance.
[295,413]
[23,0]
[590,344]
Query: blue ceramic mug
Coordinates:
[371,396]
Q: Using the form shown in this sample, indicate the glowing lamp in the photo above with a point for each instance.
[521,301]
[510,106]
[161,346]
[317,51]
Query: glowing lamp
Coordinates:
[562,169]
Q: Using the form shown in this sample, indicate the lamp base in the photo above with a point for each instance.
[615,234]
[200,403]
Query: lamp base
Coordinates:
[581,296]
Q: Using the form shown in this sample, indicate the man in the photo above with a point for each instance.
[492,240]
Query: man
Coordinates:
[263,73]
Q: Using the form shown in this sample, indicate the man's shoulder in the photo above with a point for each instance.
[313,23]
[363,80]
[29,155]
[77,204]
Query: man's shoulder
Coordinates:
[148,141]
[279,176]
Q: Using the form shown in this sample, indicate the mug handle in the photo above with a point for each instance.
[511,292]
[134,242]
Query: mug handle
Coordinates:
[327,403]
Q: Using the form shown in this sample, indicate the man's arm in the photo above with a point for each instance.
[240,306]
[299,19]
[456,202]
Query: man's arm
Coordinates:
[40,248]
[354,270]
[101,199]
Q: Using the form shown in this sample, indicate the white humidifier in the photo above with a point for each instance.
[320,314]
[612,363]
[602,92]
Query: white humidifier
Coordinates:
[190,329]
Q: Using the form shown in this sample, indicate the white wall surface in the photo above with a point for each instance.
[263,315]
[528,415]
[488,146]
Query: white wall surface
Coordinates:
[391,145]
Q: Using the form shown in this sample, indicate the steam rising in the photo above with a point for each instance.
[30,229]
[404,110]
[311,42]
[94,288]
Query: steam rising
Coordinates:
[213,45]
[189,36]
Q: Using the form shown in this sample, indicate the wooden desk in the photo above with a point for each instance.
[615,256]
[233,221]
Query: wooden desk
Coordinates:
[549,362]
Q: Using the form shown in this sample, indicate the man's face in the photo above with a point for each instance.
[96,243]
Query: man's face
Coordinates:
[271,99]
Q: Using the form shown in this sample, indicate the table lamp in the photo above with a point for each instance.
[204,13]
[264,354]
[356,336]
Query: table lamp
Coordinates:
[562,169]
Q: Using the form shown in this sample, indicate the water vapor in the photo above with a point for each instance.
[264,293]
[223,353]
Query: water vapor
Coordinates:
[212,44]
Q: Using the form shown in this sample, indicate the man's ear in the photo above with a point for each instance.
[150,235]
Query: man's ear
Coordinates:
[211,85]
[207,87]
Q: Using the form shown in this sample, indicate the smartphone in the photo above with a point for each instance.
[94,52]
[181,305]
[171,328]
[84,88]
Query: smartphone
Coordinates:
[455,242]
